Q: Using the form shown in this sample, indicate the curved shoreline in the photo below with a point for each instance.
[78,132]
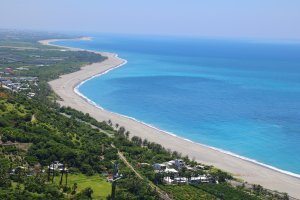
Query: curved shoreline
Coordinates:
[241,169]
[76,90]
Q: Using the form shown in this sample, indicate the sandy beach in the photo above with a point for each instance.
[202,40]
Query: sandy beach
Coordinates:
[249,171]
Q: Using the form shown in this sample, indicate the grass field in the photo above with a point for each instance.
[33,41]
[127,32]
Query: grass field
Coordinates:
[98,183]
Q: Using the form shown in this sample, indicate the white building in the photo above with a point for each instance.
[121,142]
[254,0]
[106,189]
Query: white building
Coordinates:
[168,180]
[171,170]
[195,180]
[200,179]
[180,180]
[57,166]
[171,163]
[204,179]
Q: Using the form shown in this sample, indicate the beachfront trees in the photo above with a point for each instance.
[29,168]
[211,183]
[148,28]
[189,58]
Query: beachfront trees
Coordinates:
[127,134]
[121,131]
[145,142]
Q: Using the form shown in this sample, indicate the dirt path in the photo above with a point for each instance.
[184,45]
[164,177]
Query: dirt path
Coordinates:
[161,193]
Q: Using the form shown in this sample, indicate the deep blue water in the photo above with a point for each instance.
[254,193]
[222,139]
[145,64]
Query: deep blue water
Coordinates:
[242,96]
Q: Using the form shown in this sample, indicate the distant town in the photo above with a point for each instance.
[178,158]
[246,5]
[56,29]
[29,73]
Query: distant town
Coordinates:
[9,80]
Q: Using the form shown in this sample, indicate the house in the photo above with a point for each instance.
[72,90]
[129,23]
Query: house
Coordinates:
[31,94]
[6,82]
[190,168]
[204,179]
[17,170]
[57,166]
[179,164]
[168,180]
[170,164]
[15,86]
[180,180]
[200,167]
[158,166]
[171,170]
[195,180]
[144,164]
[200,179]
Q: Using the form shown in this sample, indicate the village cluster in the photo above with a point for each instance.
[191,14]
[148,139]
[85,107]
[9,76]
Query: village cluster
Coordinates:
[172,172]
[54,166]
[14,83]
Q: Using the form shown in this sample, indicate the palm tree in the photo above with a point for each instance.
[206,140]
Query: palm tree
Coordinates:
[74,188]
[127,134]
[62,174]
[67,178]
[145,142]
[121,131]
[53,173]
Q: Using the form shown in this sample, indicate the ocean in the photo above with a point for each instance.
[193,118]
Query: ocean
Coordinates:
[241,96]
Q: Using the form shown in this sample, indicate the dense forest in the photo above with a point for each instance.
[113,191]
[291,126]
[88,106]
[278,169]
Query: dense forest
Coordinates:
[37,132]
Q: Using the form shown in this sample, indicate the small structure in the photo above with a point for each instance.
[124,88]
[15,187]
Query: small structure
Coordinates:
[22,68]
[200,167]
[110,178]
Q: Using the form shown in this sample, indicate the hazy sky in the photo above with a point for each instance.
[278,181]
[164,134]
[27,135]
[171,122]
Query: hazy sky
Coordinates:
[212,18]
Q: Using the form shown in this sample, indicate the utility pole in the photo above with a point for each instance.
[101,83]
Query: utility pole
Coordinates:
[114,183]
[116,177]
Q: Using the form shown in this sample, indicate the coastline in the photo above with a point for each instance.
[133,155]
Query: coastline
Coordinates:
[249,170]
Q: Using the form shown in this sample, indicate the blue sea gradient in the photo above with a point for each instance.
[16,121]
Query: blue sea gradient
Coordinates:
[241,96]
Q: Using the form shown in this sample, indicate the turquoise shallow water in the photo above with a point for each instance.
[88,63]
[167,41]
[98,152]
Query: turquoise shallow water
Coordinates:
[241,96]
